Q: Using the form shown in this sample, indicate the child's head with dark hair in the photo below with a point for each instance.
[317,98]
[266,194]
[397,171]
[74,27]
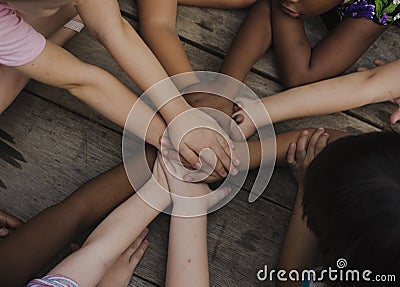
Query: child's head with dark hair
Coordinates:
[352,203]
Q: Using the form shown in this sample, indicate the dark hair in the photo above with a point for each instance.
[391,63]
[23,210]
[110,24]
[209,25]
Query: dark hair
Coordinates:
[352,203]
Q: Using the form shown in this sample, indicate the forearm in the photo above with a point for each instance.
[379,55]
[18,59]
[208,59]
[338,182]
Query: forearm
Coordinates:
[112,237]
[262,152]
[335,95]
[104,20]
[299,246]
[114,101]
[187,252]
[254,37]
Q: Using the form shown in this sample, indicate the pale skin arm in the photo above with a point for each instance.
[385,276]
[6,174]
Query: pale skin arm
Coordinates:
[329,96]
[300,64]
[95,87]
[104,20]
[187,252]
[106,243]
[187,263]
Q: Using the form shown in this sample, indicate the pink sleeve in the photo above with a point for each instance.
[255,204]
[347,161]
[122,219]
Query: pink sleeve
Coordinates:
[19,42]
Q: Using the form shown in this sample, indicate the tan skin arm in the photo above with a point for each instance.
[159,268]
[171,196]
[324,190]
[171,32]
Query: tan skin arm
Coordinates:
[283,142]
[300,64]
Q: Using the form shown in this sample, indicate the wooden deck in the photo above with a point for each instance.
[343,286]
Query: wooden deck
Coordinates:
[50,144]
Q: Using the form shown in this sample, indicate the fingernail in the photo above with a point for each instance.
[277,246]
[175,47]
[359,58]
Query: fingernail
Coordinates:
[165,152]
[292,145]
[145,242]
[197,165]
[163,141]
[320,129]
[232,146]
[187,178]
[236,162]
[305,132]
[146,230]
[234,171]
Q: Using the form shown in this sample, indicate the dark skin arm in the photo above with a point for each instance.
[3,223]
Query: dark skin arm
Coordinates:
[300,64]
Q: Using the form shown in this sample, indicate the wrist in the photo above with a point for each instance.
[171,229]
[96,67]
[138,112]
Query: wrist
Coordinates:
[174,108]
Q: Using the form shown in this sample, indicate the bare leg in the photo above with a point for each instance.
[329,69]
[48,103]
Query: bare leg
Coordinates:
[250,44]
[32,246]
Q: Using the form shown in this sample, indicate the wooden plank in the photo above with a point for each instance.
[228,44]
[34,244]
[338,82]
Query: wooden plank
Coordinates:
[63,150]
[214,30]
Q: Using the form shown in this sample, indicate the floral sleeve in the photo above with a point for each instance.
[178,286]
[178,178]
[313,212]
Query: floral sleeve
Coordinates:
[383,12]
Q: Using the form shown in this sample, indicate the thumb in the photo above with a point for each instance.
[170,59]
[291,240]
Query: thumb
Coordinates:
[395,117]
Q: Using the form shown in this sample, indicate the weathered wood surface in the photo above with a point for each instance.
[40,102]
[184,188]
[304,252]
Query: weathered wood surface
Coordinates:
[51,143]
[63,150]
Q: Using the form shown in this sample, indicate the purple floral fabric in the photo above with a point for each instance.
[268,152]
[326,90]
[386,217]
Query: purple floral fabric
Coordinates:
[383,12]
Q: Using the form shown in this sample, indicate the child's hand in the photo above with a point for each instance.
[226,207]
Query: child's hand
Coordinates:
[189,199]
[200,131]
[303,152]
[8,223]
[242,118]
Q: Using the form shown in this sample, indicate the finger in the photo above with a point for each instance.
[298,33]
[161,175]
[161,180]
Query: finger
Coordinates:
[213,162]
[312,142]
[3,232]
[190,156]
[9,221]
[395,117]
[217,195]
[321,143]
[225,159]
[138,254]
[135,245]
[74,247]
[166,143]
[172,154]
[362,69]
[301,146]
[291,154]
[238,118]
[228,146]
[379,63]
[202,176]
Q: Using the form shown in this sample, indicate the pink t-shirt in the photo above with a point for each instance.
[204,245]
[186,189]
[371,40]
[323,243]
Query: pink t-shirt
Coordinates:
[20,43]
